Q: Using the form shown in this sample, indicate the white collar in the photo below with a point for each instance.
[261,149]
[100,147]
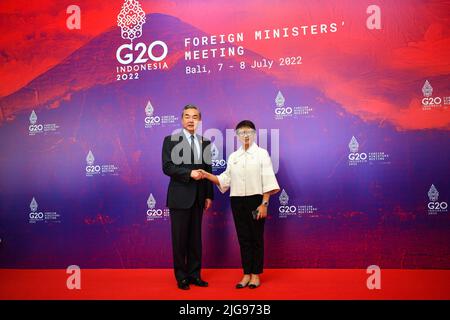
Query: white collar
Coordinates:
[252,149]
[188,135]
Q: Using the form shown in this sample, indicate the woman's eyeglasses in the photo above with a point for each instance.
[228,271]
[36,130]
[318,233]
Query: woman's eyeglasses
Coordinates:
[245,133]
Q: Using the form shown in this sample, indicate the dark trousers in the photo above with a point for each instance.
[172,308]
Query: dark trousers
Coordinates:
[186,227]
[250,232]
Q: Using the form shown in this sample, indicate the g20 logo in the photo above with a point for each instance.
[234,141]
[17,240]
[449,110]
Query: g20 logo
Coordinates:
[432,101]
[36,127]
[436,205]
[219,163]
[354,156]
[283,111]
[288,209]
[152,120]
[93,169]
[36,215]
[154,213]
[141,50]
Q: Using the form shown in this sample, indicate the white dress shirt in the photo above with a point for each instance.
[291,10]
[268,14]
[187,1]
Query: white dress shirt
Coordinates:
[248,172]
[196,142]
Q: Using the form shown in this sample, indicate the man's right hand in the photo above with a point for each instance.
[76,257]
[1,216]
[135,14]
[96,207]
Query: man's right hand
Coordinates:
[196,175]
[203,173]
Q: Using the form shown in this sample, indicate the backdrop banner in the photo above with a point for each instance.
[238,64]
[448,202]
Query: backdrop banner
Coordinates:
[350,98]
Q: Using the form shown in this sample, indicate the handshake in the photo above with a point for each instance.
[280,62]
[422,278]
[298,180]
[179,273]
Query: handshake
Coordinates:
[199,174]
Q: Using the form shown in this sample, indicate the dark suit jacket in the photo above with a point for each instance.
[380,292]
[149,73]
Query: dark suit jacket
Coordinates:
[183,190]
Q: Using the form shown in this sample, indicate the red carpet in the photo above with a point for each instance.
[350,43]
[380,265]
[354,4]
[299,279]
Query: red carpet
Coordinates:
[277,284]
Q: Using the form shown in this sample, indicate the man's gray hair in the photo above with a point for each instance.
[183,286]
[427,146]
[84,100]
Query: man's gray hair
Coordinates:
[191,106]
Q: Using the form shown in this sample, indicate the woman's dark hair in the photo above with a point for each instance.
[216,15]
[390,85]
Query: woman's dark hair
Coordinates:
[245,123]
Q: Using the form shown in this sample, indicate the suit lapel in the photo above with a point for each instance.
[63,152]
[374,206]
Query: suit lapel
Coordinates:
[180,137]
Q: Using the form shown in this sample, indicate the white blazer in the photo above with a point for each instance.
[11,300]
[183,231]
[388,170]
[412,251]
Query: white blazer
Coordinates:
[248,173]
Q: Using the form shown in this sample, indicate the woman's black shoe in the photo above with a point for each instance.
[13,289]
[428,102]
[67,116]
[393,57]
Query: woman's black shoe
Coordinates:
[253,286]
[240,285]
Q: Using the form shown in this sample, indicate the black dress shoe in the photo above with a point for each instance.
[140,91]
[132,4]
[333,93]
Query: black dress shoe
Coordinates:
[183,285]
[198,282]
[241,286]
[254,286]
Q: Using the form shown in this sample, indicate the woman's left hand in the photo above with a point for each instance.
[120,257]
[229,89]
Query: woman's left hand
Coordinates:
[262,209]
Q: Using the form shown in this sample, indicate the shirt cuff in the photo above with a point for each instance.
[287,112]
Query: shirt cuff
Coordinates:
[271,187]
[223,187]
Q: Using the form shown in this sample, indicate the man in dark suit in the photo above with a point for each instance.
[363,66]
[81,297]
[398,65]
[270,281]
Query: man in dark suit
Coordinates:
[188,195]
